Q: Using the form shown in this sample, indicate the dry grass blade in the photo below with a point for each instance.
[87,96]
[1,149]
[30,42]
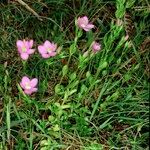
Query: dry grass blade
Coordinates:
[129,24]
[29,9]
[145,44]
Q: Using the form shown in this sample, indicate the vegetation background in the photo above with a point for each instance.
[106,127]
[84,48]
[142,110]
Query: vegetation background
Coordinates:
[99,104]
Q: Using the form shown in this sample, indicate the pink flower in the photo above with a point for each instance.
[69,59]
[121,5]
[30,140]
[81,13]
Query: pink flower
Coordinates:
[48,49]
[84,24]
[28,85]
[96,47]
[25,48]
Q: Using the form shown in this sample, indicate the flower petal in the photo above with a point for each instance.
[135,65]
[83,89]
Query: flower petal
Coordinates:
[45,55]
[34,89]
[85,19]
[19,43]
[41,49]
[79,21]
[34,82]
[22,85]
[30,43]
[47,44]
[27,45]
[88,27]
[25,79]
[23,82]
[82,22]
[96,46]
[31,51]
[52,54]
[29,92]
[53,47]
[24,56]
[19,50]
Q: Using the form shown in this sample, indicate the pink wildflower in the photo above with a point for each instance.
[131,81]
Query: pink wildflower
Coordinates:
[96,47]
[28,85]
[48,49]
[84,24]
[25,48]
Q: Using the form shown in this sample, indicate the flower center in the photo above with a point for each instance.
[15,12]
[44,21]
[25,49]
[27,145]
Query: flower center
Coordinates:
[49,50]
[28,87]
[24,49]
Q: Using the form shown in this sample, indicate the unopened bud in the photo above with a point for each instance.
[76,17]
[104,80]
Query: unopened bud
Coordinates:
[86,54]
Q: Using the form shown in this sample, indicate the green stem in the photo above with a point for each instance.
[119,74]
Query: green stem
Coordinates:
[24,65]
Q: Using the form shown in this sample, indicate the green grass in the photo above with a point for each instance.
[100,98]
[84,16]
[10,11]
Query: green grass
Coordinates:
[97,103]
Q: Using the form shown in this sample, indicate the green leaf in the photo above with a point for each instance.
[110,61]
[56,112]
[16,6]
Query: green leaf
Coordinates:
[120,12]
[65,106]
[73,76]
[83,89]
[120,8]
[72,91]
[73,84]
[104,65]
[79,34]
[59,89]
[104,73]
[72,49]
[91,80]
[56,128]
[103,125]
[130,3]
[88,74]
[65,70]
[115,95]
[66,95]
[127,77]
